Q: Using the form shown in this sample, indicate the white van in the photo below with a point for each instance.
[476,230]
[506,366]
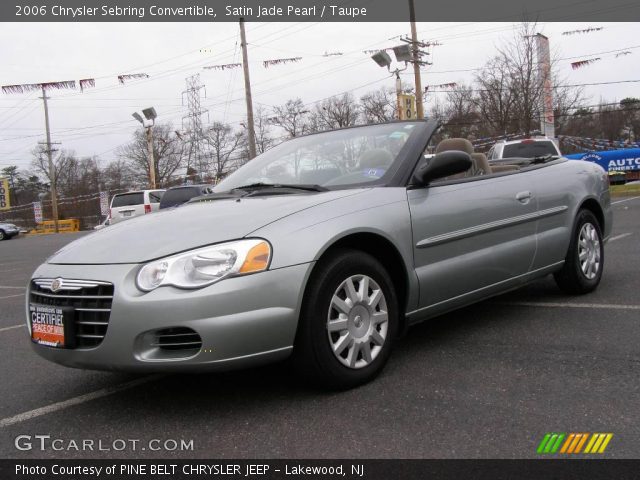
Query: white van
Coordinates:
[131,204]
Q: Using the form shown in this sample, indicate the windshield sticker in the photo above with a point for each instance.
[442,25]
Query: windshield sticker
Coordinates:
[374,172]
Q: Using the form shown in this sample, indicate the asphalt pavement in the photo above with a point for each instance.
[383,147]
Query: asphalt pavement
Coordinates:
[487,381]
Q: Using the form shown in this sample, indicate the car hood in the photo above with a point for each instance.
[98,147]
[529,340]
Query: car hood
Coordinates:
[190,226]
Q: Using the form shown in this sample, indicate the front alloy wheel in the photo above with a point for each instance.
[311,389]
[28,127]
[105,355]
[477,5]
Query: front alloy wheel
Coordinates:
[348,322]
[357,323]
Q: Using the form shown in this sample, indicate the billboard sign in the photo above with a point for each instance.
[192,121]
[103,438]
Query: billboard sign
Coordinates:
[612,160]
[5,202]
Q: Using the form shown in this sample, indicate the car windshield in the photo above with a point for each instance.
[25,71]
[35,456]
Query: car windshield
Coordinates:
[178,196]
[529,149]
[352,156]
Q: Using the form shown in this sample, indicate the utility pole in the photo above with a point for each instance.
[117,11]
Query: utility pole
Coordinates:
[152,163]
[150,115]
[398,93]
[247,88]
[52,173]
[416,60]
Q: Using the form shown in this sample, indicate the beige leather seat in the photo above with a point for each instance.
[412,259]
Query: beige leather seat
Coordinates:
[461,144]
[480,164]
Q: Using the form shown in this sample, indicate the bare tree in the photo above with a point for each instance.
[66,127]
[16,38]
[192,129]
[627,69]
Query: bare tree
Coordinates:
[379,105]
[566,99]
[264,137]
[168,152]
[337,112]
[40,162]
[80,177]
[224,146]
[117,176]
[631,113]
[461,112]
[291,117]
[495,98]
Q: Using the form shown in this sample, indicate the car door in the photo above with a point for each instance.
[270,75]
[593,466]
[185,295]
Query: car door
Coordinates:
[471,237]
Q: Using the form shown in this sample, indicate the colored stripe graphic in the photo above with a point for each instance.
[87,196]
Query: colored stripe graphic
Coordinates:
[598,442]
[543,443]
[551,442]
[573,443]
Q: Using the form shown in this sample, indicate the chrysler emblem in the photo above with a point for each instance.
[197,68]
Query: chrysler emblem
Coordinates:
[56,285]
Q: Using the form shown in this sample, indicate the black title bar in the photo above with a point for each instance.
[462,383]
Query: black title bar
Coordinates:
[318,469]
[316,10]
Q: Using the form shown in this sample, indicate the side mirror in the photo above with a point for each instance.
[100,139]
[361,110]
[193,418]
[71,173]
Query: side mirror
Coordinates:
[442,165]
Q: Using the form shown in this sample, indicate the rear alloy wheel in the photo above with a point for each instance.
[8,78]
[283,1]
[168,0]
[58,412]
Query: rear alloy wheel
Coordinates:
[1,235]
[582,269]
[348,322]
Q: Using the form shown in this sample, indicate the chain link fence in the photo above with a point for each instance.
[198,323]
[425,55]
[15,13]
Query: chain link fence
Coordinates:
[86,208]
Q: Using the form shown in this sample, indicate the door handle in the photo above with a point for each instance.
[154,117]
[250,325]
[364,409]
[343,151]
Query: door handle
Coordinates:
[523,197]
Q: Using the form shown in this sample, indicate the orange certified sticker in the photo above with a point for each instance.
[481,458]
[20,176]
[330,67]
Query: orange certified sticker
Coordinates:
[47,325]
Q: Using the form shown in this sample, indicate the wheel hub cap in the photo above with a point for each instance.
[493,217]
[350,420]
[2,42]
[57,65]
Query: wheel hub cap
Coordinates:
[589,254]
[357,321]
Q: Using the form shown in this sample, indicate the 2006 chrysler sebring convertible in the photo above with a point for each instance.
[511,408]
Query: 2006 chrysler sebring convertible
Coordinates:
[324,248]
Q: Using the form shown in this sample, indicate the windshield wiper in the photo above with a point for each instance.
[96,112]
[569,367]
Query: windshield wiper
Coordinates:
[214,196]
[283,186]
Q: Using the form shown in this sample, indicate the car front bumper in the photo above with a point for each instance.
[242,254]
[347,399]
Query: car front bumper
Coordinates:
[242,321]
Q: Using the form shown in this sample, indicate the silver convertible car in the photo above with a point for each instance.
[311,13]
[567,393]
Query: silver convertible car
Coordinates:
[324,249]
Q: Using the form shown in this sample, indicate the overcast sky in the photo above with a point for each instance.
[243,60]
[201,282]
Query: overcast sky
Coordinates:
[97,121]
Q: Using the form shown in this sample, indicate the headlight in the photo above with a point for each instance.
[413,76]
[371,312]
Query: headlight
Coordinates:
[204,266]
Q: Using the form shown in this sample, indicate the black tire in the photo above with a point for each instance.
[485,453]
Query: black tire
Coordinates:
[571,278]
[313,355]
[2,235]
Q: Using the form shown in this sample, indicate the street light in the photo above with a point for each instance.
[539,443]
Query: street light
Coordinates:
[150,113]
[383,59]
[403,53]
[150,116]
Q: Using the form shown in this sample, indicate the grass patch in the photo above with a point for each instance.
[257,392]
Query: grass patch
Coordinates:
[624,190]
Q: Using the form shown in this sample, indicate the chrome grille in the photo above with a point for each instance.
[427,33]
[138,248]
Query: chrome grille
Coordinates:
[177,338]
[90,299]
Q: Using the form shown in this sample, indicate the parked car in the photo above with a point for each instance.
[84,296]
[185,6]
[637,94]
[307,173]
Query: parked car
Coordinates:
[175,196]
[526,148]
[125,206]
[327,265]
[8,231]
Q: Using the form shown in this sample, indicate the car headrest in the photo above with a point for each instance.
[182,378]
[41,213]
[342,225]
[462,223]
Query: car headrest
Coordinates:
[461,144]
[376,157]
[481,164]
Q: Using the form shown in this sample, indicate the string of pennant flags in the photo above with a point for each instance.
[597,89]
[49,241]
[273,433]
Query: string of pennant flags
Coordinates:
[583,30]
[86,83]
[588,61]
[583,63]
[442,85]
[83,83]
[597,143]
[488,141]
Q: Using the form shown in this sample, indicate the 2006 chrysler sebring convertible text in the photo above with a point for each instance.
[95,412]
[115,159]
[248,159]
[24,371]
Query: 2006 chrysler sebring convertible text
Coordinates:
[324,248]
